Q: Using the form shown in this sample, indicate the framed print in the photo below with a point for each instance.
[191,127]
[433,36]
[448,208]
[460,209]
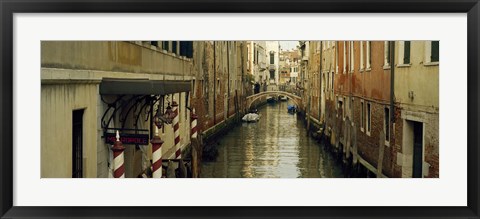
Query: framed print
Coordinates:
[262,109]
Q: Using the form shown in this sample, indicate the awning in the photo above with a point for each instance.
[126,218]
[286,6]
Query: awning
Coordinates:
[143,87]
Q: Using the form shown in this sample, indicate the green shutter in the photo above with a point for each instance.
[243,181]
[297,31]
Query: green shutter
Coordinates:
[406,52]
[435,47]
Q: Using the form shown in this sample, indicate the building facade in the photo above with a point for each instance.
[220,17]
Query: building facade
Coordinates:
[376,103]
[273,53]
[91,89]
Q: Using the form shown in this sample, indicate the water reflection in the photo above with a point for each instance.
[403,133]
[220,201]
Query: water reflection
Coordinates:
[274,147]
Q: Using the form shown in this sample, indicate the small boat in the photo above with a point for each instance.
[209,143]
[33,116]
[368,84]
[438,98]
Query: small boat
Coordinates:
[271,100]
[291,109]
[251,117]
[283,98]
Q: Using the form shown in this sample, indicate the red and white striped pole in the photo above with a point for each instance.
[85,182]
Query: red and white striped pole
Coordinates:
[118,161]
[156,155]
[193,118]
[176,130]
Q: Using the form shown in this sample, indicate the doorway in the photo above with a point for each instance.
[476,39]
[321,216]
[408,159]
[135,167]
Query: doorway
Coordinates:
[417,149]
[77,143]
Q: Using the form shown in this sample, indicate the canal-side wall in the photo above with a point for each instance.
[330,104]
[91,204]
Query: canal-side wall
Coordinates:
[352,163]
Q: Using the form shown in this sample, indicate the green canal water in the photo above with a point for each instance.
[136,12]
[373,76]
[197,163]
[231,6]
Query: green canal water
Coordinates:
[277,146]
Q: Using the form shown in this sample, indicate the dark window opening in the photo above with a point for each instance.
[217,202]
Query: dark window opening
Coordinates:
[368,117]
[406,53]
[186,49]
[272,58]
[435,51]
[165,45]
[387,124]
[155,43]
[362,116]
[77,144]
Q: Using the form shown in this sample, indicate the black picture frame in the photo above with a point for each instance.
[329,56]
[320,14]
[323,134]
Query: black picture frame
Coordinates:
[9,7]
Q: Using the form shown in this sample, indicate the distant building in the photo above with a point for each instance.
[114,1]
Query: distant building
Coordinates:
[273,53]
[257,60]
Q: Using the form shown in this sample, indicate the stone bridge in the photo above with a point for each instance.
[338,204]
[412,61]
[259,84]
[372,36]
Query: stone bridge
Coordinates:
[294,98]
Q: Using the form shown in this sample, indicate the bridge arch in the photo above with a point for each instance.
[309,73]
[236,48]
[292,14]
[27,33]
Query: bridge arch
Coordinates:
[296,99]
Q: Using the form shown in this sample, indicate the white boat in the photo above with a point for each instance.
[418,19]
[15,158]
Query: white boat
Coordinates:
[283,98]
[251,117]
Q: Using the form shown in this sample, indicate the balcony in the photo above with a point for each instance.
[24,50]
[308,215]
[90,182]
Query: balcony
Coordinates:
[262,66]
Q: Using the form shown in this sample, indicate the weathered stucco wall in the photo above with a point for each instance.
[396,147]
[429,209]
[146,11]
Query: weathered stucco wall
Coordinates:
[57,103]
[115,56]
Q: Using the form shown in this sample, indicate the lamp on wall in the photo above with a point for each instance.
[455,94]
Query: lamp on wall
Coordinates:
[165,118]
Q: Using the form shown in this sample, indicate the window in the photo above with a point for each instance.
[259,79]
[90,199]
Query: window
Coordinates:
[154,43]
[368,122]
[77,143]
[165,45]
[340,108]
[352,112]
[406,52]
[369,58]
[387,124]
[361,55]
[332,88]
[194,86]
[336,59]
[272,58]
[362,116]
[386,54]
[434,57]
[352,61]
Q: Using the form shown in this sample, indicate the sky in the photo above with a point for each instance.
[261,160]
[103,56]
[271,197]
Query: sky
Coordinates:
[288,45]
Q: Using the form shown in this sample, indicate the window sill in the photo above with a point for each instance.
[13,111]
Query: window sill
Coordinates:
[431,64]
[386,67]
[368,133]
[368,69]
[362,130]
[404,65]
[387,143]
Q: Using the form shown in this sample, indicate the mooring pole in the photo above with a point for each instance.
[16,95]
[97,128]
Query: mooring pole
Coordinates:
[156,155]
[118,158]
[176,130]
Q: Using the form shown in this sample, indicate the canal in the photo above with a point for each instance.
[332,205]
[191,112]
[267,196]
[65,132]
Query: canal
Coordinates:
[277,146]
